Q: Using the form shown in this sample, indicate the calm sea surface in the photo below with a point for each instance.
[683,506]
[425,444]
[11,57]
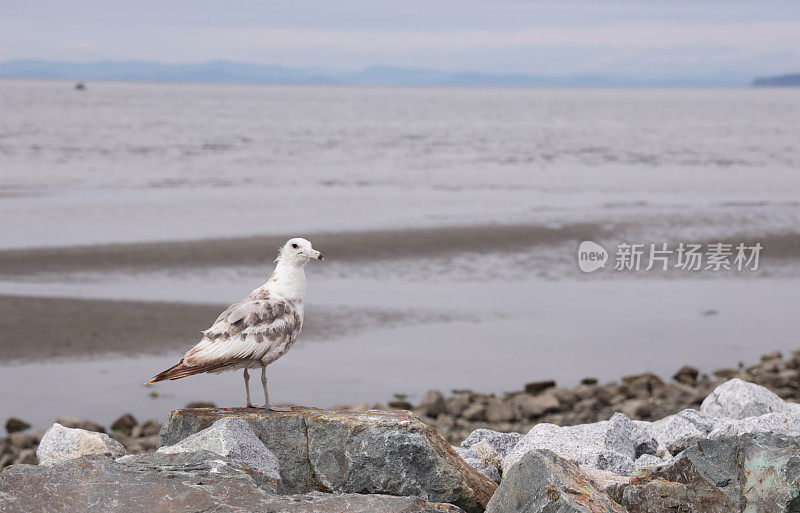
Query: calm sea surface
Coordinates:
[163,161]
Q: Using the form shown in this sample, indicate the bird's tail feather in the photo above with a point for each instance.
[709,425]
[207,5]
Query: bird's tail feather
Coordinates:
[177,371]
[181,370]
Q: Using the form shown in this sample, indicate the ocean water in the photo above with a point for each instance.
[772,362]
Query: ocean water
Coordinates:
[148,161]
[128,162]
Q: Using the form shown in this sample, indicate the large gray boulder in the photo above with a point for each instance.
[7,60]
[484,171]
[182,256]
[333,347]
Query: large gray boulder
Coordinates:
[738,399]
[751,473]
[543,482]
[390,452]
[233,438]
[175,483]
[61,443]
[610,445]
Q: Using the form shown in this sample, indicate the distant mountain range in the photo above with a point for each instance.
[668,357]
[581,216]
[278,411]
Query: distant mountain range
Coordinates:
[779,81]
[226,71]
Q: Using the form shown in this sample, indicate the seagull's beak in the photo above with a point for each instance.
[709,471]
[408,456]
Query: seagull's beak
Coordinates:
[319,256]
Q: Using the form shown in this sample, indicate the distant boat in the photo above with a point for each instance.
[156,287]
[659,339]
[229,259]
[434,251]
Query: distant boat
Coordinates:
[80,86]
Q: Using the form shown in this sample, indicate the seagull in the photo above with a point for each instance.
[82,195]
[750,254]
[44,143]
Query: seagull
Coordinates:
[256,330]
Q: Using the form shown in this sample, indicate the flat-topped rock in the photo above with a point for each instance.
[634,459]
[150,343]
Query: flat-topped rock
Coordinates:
[175,483]
[373,452]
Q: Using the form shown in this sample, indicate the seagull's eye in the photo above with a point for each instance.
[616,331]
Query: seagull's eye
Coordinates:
[294,246]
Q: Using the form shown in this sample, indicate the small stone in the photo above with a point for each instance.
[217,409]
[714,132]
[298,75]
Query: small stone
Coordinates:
[62,443]
[400,405]
[76,423]
[124,424]
[502,443]
[687,375]
[489,471]
[499,411]
[150,427]
[475,411]
[456,404]
[200,404]
[642,386]
[534,406]
[535,387]
[486,452]
[677,395]
[432,404]
[6,460]
[589,382]
[636,408]
[774,355]
[21,440]
[13,425]
[728,373]
[26,457]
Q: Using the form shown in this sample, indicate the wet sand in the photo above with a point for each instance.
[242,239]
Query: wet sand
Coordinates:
[341,246]
[34,328]
[42,328]
[373,245]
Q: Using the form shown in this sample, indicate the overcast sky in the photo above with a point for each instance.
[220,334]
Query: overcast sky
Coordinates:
[642,37]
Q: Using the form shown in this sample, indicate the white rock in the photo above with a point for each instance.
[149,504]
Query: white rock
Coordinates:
[233,438]
[603,479]
[607,445]
[783,423]
[676,432]
[738,399]
[487,453]
[648,460]
[464,453]
[62,443]
[471,458]
[502,443]
[489,471]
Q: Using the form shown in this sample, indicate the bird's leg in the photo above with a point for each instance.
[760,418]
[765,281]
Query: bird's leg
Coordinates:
[266,393]
[247,388]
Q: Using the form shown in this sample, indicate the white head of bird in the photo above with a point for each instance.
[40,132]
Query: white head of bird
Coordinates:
[289,279]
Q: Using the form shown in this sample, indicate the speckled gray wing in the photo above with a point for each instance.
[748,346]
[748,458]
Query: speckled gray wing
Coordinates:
[252,330]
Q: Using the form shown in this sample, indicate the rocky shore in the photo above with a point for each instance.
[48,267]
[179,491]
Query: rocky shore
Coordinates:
[639,396]
[739,452]
[736,448]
